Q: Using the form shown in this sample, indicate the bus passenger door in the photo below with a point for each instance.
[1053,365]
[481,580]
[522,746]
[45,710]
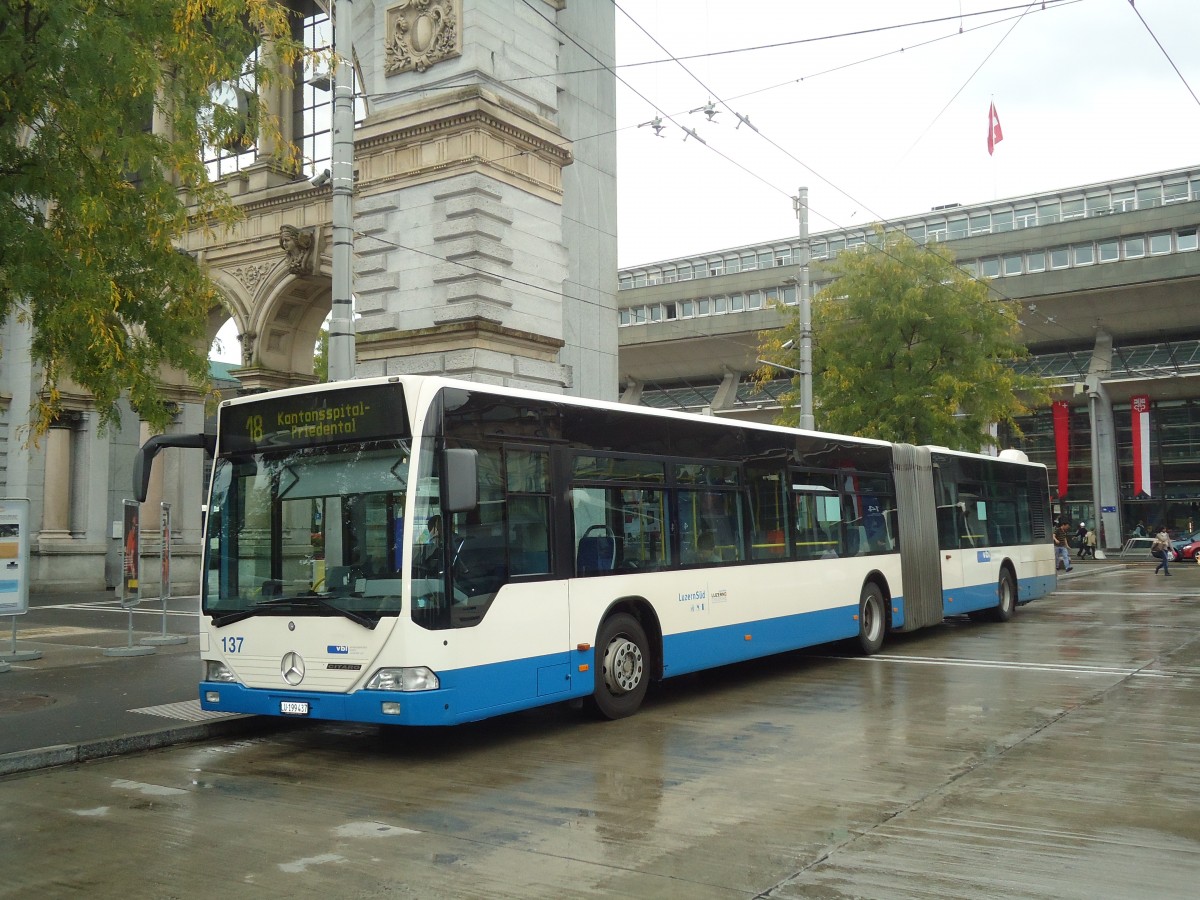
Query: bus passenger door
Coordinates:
[949,530]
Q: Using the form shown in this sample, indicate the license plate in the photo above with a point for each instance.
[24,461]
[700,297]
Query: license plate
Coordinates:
[293,708]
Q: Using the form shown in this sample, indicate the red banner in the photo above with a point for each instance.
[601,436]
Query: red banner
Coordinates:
[1140,411]
[1062,443]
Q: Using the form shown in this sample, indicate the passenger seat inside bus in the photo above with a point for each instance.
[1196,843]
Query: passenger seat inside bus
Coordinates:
[597,551]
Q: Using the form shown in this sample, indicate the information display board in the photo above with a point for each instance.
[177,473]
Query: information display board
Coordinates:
[14,557]
[131,553]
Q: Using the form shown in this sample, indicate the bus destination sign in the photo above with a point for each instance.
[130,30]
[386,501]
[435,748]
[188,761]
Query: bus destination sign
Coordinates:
[314,419]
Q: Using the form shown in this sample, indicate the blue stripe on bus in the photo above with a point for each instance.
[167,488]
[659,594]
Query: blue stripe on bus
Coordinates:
[521,684]
[696,650]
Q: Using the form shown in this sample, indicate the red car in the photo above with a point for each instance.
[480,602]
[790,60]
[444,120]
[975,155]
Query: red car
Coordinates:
[1188,551]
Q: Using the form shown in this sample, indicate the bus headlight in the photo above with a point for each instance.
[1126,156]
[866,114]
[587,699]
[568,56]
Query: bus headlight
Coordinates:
[417,678]
[215,670]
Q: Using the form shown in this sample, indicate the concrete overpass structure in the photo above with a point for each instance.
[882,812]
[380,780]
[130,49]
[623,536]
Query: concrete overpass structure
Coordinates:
[1106,275]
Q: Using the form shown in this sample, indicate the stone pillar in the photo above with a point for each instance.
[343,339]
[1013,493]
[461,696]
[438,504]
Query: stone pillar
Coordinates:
[56,495]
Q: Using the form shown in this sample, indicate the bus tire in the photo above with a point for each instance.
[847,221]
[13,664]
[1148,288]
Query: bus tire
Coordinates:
[622,666]
[872,619]
[1006,601]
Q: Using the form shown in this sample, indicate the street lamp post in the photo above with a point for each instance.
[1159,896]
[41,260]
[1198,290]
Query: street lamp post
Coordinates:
[341,322]
[800,202]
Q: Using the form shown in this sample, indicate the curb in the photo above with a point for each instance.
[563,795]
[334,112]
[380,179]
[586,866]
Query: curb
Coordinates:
[21,761]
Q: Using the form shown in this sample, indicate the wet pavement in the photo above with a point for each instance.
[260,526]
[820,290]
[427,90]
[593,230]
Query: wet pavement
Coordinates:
[74,702]
[1053,756]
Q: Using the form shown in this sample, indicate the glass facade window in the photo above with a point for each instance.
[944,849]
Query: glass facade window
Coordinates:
[783,257]
[1160,243]
[789,296]
[1098,204]
[703,306]
[981,223]
[624,317]
[1175,192]
[749,262]
[639,279]
[958,227]
[1122,201]
[732,265]
[1026,217]
[936,230]
[1135,247]
[1060,258]
[1185,240]
[766,259]
[1048,211]
[1084,254]
[1072,209]
[837,246]
[687,309]
[754,300]
[990,267]
[716,267]
[1148,197]
[656,313]
[1002,221]
[700,270]
[737,302]
[1035,261]
[1012,264]
[1110,251]
[626,282]
[818,250]
[916,232]
[669,275]
[720,305]
[971,267]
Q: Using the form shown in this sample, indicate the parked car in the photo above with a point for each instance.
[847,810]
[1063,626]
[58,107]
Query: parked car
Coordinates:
[1185,541]
[1188,551]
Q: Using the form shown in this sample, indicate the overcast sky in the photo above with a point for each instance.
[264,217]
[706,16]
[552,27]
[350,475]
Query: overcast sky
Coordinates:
[888,123]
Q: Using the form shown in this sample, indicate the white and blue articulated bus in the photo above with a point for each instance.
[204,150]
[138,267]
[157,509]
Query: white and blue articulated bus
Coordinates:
[423,551]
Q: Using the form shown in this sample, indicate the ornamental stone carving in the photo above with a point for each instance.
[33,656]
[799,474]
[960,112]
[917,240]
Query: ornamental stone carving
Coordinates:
[298,245]
[420,33]
[251,275]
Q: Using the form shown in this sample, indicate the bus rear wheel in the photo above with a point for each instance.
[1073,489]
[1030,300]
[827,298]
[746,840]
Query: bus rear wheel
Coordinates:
[1006,601]
[872,619]
[622,667]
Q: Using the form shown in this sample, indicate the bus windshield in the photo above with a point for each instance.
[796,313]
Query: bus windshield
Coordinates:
[314,531]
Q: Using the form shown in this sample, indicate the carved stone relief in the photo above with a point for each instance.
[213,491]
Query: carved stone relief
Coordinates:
[298,245]
[420,33]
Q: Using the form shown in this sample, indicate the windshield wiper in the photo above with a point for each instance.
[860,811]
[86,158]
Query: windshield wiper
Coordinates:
[301,601]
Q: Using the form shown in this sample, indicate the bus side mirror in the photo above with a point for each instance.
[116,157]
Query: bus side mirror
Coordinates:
[460,474]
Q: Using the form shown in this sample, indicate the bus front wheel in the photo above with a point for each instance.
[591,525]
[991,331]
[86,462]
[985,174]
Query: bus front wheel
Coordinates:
[622,670]
[872,619]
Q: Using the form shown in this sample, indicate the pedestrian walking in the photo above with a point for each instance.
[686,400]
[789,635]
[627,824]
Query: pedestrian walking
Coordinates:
[1062,552]
[1081,538]
[1089,544]
[1161,548]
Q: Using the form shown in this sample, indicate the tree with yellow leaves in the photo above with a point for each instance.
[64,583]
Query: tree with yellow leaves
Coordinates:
[908,347]
[93,199]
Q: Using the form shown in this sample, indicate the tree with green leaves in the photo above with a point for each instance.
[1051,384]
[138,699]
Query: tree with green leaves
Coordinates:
[907,347]
[93,199]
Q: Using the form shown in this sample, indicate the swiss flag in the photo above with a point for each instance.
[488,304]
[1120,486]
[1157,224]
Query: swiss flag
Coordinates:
[995,135]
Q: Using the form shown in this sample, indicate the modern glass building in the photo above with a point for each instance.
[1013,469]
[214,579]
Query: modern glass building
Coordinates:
[1106,275]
